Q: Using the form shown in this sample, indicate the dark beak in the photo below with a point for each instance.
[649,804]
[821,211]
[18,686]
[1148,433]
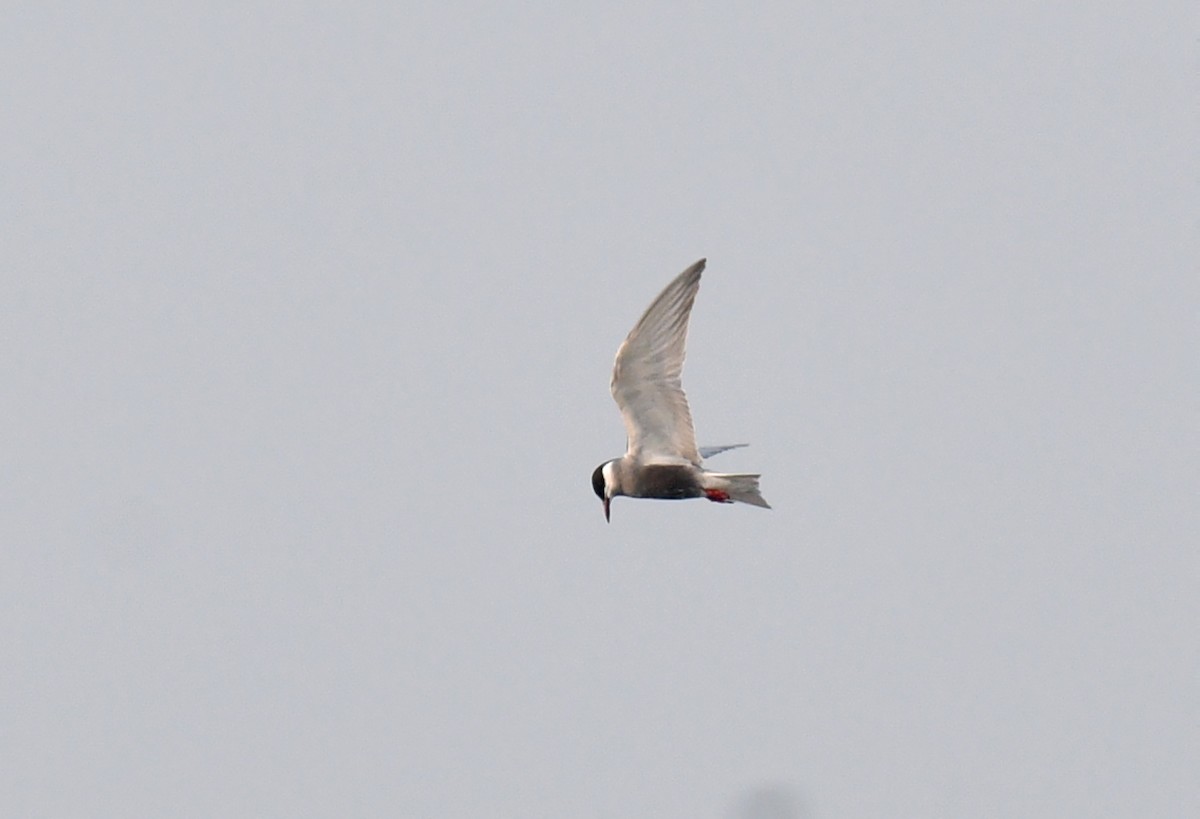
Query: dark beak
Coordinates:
[607,501]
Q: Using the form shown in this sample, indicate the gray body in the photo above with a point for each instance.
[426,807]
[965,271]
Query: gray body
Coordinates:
[662,460]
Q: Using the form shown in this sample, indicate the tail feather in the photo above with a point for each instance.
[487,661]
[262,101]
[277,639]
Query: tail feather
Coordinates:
[741,487]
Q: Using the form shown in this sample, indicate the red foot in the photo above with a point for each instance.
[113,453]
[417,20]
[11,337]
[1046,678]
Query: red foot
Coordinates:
[717,495]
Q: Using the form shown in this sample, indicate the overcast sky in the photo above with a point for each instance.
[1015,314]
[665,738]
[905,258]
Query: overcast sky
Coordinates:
[308,320]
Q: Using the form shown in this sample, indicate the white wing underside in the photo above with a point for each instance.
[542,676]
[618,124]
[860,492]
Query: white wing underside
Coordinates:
[647,373]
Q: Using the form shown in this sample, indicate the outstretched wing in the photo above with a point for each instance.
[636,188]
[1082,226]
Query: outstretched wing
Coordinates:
[709,451]
[646,380]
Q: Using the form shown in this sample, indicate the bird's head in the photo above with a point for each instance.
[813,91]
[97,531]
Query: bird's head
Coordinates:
[604,484]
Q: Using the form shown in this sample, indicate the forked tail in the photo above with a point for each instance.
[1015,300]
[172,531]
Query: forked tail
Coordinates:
[729,487]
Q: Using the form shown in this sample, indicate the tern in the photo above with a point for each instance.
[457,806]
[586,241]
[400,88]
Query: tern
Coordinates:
[662,460]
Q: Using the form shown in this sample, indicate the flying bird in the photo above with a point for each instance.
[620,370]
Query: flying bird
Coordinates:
[661,459]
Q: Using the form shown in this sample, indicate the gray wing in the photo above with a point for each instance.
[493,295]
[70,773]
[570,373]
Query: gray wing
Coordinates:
[646,379]
[709,451]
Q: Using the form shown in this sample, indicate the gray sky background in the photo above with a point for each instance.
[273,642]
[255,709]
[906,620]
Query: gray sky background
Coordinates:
[308,319]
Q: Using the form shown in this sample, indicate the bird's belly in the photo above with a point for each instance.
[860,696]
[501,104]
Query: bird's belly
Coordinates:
[667,483]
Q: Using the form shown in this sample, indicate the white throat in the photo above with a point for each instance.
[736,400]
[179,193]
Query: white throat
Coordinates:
[610,479]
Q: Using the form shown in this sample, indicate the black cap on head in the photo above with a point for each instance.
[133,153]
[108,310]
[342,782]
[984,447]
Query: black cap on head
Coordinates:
[598,482]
